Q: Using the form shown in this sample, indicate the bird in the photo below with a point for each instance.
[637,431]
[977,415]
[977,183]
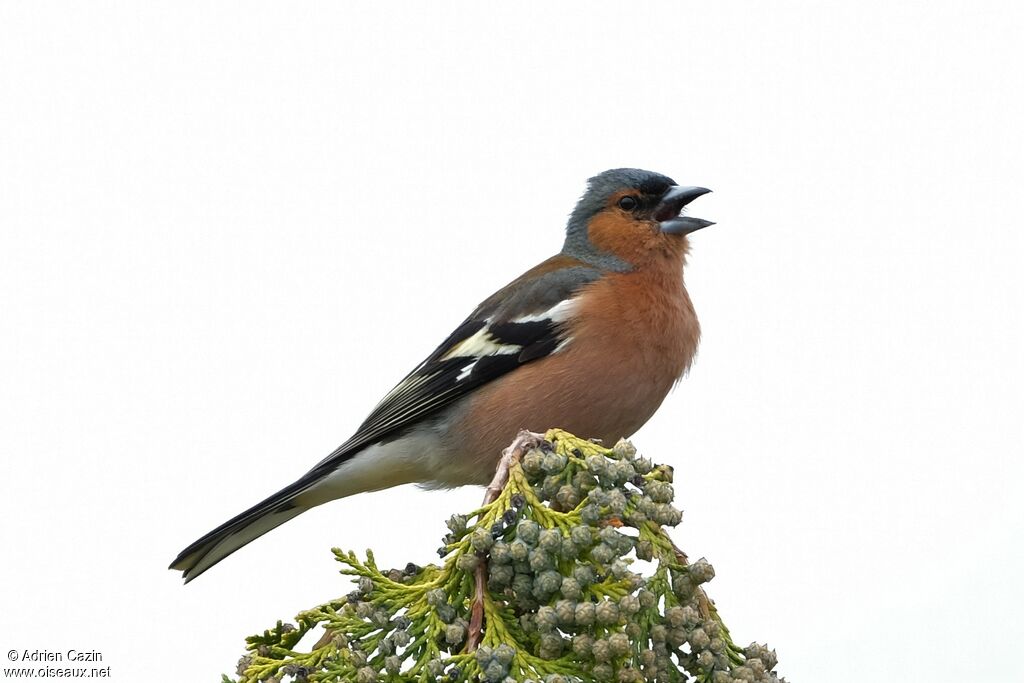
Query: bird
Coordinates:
[591,340]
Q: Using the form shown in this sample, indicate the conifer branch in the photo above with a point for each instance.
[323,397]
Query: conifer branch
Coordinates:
[535,585]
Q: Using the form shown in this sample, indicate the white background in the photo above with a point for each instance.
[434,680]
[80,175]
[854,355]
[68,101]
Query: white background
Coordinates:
[227,230]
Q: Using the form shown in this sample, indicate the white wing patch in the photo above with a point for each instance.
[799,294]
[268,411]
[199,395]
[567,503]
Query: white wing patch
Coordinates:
[558,313]
[486,346]
[481,344]
[464,373]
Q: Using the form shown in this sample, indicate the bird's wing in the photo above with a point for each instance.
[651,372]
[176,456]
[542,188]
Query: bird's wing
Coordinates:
[520,324]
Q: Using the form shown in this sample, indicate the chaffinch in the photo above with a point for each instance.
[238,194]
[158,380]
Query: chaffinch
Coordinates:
[590,340]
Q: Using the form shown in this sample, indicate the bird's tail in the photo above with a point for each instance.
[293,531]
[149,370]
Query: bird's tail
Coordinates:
[238,531]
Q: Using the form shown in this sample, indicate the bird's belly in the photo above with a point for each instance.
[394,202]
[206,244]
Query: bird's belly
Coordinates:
[605,401]
[415,457]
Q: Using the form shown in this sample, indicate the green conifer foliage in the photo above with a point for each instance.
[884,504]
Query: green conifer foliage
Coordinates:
[542,583]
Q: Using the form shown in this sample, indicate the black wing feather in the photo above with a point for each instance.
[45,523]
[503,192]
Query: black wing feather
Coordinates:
[441,379]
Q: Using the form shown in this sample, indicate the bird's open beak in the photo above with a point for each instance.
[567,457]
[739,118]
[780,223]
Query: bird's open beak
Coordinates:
[667,211]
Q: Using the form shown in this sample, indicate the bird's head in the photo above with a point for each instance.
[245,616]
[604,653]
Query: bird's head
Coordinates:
[627,217]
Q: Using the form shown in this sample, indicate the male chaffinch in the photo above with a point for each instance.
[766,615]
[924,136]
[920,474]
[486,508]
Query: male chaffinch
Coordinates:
[590,340]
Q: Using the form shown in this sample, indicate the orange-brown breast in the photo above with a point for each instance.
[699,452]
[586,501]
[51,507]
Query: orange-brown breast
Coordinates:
[633,335]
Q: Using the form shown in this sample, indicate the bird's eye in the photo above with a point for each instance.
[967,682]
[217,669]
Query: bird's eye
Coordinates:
[628,203]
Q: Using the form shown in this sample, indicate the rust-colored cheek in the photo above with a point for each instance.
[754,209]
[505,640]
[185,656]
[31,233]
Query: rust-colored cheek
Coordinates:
[619,235]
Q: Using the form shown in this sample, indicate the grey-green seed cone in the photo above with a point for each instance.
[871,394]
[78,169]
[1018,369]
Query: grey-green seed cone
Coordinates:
[564,601]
